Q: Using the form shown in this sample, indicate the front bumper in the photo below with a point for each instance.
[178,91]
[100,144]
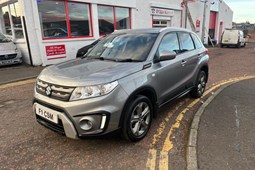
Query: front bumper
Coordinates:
[104,112]
[16,60]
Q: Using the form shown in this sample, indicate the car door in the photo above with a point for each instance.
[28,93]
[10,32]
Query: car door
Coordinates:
[169,73]
[189,57]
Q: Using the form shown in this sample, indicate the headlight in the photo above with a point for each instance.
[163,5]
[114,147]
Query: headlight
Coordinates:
[16,50]
[92,91]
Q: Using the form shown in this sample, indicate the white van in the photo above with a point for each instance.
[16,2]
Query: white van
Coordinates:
[233,37]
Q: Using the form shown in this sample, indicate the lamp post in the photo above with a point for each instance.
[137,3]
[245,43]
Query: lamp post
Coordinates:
[203,24]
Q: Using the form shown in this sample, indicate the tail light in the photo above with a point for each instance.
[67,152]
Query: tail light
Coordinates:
[206,51]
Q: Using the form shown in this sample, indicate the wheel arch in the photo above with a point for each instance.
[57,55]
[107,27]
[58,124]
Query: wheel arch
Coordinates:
[147,91]
[205,68]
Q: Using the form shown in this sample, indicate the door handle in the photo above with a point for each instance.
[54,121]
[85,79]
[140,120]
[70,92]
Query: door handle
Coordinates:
[183,62]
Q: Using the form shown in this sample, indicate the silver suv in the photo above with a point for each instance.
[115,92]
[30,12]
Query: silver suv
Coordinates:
[121,82]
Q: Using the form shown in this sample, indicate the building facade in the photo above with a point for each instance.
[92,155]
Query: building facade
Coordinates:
[52,31]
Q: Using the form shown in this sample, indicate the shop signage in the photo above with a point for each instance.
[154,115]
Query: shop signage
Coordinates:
[162,12]
[55,51]
[197,25]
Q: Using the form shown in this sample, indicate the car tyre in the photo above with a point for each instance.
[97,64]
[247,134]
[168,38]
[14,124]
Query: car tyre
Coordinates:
[137,120]
[199,89]
[238,45]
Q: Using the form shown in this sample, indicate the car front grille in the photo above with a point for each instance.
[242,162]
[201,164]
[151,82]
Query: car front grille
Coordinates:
[54,91]
[8,56]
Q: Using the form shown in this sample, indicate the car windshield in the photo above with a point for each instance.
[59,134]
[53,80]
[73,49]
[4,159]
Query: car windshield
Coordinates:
[123,47]
[4,39]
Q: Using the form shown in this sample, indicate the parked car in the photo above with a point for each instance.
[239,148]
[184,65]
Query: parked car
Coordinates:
[233,37]
[54,33]
[82,51]
[121,83]
[9,53]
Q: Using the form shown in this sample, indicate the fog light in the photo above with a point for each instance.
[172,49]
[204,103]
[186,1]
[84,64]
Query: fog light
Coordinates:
[86,124]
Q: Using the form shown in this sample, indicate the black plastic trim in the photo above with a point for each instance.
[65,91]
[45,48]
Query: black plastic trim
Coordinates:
[108,115]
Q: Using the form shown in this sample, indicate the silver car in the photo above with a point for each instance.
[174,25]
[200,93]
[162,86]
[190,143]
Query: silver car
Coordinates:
[120,84]
[9,54]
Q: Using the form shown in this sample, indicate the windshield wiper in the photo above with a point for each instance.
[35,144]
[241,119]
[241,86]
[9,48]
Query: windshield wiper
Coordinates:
[126,60]
[102,58]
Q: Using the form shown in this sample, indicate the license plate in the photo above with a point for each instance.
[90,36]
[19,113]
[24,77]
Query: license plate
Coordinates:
[226,41]
[6,62]
[46,113]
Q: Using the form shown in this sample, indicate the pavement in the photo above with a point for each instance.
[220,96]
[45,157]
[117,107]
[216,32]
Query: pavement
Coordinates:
[224,137]
[14,73]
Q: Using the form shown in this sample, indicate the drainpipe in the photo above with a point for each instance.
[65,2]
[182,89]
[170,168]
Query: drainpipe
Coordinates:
[203,24]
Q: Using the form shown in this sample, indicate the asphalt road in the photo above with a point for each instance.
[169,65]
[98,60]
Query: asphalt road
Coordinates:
[24,144]
[226,133]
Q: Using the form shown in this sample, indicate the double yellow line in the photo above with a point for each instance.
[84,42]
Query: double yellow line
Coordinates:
[17,83]
[168,144]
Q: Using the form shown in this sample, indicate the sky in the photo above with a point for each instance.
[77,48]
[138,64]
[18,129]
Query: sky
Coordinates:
[244,10]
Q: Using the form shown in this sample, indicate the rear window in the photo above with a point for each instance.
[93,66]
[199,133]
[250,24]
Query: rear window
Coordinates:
[197,42]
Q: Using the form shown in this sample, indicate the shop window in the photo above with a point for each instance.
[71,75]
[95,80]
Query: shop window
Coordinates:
[61,19]
[112,18]
[12,20]
[79,19]
[105,19]
[160,23]
[122,18]
[7,21]
[16,20]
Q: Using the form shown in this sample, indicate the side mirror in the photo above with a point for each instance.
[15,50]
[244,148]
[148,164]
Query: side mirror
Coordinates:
[167,55]
[89,49]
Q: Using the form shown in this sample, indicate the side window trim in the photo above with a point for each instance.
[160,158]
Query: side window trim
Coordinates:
[179,42]
[195,47]
[196,39]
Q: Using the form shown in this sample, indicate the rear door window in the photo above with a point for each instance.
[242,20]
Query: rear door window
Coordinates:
[186,42]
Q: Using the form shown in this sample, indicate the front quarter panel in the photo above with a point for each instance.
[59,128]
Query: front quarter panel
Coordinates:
[144,78]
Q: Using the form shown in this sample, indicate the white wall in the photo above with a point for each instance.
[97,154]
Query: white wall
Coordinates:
[226,16]
[143,17]
[124,3]
[197,11]
[32,29]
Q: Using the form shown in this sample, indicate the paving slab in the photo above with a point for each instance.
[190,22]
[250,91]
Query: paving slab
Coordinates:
[19,72]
